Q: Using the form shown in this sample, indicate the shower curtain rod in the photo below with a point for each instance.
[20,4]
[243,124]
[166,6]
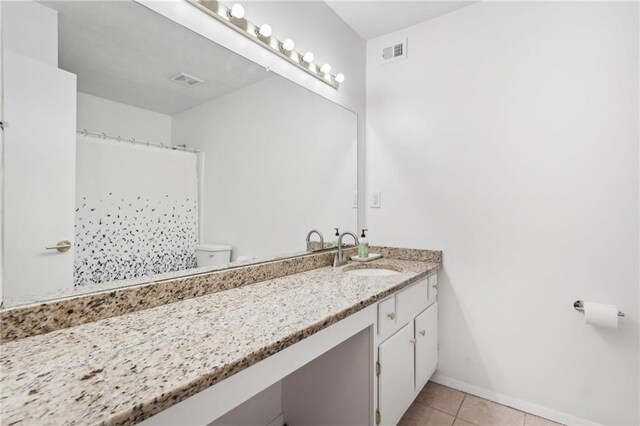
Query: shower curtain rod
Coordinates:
[135,141]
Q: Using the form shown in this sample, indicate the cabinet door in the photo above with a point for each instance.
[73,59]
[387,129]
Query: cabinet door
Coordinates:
[426,328]
[395,382]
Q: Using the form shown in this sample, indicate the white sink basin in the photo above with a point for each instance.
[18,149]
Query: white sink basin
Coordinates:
[371,272]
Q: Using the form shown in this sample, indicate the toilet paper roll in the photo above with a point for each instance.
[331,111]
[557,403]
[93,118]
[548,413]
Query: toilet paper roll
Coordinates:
[601,315]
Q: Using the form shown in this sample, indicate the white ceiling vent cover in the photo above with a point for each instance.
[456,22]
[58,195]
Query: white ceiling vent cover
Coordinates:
[185,79]
[394,52]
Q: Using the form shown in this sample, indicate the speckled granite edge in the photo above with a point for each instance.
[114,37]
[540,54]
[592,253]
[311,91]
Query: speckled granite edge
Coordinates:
[30,320]
[419,255]
[156,405]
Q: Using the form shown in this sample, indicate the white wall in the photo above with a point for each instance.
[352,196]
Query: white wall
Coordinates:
[265,408]
[114,118]
[31,29]
[509,139]
[313,26]
[278,161]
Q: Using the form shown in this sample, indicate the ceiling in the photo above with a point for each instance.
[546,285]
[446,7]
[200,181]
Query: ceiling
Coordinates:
[122,51]
[372,19]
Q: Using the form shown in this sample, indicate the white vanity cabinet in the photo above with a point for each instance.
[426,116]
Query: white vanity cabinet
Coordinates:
[407,348]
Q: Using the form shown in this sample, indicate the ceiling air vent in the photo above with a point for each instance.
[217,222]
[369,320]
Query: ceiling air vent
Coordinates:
[186,79]
[394,52]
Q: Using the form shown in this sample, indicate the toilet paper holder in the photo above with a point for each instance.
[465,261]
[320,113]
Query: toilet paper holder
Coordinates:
[578,305]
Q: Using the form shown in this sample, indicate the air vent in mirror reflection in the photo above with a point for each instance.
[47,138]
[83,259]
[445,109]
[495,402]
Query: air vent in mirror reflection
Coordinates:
[186,79]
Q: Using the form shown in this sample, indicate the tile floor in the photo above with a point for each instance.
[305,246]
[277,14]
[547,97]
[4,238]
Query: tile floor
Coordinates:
[438,405]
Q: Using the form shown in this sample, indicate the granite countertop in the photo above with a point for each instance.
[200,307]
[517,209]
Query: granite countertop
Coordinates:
[124,369]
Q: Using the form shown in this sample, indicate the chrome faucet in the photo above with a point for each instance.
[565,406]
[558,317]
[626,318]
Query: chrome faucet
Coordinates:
[339,258]
[315,231]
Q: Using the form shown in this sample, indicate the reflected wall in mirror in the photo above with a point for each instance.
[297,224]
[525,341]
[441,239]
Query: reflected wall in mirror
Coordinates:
[153,151]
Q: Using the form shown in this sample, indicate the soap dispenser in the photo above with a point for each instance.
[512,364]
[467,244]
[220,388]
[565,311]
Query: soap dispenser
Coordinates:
[334,243]
[363,247]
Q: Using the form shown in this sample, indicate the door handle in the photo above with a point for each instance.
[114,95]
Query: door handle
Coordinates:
[61,246]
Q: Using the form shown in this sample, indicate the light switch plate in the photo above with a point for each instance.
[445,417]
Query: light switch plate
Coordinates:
[376,200]
[354,203]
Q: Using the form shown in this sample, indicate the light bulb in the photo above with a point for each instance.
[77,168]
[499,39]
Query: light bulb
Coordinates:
[288,45]
[326,68]
[340,77]
[237,11]
[308,57]
[265,30]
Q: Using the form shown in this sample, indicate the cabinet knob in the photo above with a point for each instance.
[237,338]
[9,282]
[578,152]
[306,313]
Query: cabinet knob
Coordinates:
[391,315]
[413,341]
[422,332]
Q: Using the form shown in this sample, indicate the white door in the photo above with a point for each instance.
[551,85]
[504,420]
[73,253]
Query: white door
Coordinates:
[426,326]
[39,175]
[395,382]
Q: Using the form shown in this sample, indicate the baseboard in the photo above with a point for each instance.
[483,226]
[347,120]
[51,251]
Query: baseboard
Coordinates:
[510,401]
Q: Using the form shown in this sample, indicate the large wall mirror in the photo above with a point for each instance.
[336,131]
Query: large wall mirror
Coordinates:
[137,150]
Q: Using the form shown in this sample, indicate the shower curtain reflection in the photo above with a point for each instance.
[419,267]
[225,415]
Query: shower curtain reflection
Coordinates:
[136,211]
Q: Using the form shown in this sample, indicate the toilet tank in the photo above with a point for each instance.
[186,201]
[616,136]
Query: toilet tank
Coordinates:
[212,254]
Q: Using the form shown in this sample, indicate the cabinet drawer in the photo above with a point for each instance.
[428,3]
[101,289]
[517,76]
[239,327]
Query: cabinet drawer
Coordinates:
[411,300]
[386,316]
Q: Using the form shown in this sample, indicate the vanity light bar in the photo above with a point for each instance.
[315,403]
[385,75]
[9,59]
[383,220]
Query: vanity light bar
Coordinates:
[234,18]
